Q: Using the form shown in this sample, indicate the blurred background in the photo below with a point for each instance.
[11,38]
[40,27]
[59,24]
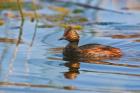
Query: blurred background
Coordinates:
[31,59]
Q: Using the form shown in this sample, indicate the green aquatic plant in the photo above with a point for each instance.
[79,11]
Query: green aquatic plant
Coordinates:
[13,5]
[76,11]
[22,22]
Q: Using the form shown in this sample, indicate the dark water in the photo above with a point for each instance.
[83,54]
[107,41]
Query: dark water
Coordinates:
[39,68]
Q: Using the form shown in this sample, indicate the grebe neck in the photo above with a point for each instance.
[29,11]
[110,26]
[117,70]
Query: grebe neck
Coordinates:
[73,44]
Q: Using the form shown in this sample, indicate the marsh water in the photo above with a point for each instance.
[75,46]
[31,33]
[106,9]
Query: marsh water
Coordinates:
[36,65]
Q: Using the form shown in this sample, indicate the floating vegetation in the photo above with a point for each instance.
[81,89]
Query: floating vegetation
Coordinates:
[13,5]
[31,14]
[69,3]
[1,22]
[61,20]
[76,11]
[126,36]
[9,40]
[76,19]
[59,9]
[66,19]
[78,27]
[54,18]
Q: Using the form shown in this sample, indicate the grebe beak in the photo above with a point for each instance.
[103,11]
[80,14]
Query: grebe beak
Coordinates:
[62,38]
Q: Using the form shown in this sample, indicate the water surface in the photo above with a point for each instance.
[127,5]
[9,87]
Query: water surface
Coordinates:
[36,65]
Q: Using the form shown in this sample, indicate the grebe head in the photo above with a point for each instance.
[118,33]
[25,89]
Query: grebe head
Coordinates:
[70,34]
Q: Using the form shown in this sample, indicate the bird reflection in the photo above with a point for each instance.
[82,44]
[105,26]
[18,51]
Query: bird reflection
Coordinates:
[74,66]
[73,70]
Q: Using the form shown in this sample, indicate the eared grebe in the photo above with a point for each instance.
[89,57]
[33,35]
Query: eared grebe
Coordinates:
[86,52]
